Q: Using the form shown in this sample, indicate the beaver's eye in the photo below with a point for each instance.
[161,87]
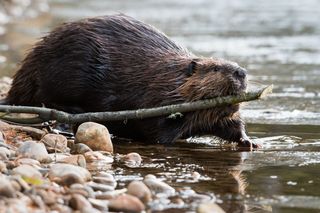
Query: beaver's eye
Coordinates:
[216,68]
[191,68]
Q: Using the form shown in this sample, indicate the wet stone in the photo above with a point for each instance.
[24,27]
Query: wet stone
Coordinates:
[132,160]
[55,142]
[158,187]
[140,190]
[34,150]
[126,202]
[95,135]
[68,174]
[97,156]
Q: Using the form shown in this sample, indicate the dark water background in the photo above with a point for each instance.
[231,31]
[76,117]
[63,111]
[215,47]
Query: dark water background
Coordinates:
[278,41]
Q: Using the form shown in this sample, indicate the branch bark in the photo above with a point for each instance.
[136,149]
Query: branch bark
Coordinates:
[46,114]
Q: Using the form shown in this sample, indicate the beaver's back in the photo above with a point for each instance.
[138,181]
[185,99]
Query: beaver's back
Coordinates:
[98,64]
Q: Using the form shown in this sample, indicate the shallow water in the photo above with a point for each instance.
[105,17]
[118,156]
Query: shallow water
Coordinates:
[277,41]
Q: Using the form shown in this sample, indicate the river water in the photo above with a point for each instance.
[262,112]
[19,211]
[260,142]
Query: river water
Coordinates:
[278,41]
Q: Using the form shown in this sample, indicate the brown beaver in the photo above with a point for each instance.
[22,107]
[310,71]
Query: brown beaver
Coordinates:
[115,62]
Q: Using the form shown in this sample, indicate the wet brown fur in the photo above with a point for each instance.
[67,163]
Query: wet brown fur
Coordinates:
[113,63]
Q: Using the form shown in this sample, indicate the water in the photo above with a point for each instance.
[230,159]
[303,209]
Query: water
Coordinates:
[277,41]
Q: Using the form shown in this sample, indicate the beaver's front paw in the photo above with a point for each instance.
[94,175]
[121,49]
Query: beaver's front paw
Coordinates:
[247,143]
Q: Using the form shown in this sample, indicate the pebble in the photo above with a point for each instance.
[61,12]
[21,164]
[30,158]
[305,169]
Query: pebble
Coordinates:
[106,179]
[3,167]
[195,175]
[67,173]
[79,148]
[27,171]
[48,197]
[132,160]
[101,205]
[77,160]
[158,187]
[97,156]
[140,190]
[27,161]
[85,191]
[100,187]
[78,202]
[6,188]
[126,202]
[95,135]
[209,208]
[55,142]
[34,150]
[4,153]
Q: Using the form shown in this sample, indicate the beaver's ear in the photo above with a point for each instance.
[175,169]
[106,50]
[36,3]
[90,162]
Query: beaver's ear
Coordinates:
[191,68]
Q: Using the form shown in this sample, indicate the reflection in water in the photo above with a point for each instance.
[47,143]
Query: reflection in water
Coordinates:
[219,168]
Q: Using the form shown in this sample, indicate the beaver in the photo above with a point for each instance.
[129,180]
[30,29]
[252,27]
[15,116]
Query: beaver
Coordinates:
[116,62]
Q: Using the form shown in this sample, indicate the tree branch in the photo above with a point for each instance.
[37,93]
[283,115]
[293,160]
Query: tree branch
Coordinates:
[46,114]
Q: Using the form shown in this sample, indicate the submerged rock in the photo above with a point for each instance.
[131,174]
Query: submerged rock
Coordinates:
[132,160]
[95,135]
[158,187]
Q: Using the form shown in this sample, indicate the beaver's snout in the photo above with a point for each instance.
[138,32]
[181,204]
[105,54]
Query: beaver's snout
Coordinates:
[240,73]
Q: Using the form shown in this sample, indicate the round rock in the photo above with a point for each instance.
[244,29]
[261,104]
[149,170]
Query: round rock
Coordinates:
[126,203]
[68,174]
[77,160]
[209,207]
[34,150]
[157,186]
[140,190]
[27,171]
[132,160]
[95,135]
[55,142]
[6,189]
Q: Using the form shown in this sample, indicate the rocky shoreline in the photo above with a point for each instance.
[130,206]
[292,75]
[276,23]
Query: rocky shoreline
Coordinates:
[44,171]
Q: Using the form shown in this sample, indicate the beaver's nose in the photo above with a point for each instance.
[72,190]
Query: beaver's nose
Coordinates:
[240,73]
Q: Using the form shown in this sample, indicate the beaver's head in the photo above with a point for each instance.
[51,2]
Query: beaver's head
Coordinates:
[209,78]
